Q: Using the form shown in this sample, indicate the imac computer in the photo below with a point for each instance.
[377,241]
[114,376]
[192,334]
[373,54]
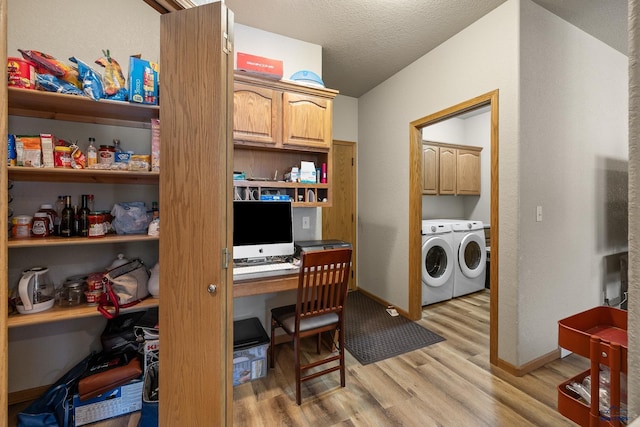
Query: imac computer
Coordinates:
[262,229]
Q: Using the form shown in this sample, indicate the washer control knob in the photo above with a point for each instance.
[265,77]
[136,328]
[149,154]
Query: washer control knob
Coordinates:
[433,228]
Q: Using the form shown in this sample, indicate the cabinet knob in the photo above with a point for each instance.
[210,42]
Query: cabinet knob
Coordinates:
[212,289]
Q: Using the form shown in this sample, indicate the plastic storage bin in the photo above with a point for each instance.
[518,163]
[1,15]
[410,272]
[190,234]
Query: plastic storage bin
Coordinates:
[600,334]
[250,345]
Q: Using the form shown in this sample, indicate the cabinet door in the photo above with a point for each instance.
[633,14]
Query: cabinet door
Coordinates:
[447,170]
[468,172]
[195,193]
[430,169]
[306,120]
[256,116]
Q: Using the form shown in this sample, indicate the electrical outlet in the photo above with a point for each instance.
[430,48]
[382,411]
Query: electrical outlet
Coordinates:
[305,222]
[539,214]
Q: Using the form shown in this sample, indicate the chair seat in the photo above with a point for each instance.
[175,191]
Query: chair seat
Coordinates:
[286,316]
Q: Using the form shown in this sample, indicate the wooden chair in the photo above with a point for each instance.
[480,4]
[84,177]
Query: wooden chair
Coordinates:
[322,290]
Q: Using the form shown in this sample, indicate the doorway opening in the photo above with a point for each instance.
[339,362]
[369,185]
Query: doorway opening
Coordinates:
[415,208]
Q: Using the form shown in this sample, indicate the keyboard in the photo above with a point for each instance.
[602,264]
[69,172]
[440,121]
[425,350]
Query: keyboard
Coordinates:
[266,269]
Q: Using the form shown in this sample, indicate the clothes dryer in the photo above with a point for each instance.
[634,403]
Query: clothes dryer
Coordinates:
[438,262]
[471,256]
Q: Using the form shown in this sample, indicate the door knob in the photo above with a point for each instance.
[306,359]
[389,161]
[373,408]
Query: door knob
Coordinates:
[212,289]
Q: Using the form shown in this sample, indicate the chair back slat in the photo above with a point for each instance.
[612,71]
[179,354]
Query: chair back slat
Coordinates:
[323,281]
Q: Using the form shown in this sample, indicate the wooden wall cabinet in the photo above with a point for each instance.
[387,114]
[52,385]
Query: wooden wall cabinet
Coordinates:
[277,125]
[449,169]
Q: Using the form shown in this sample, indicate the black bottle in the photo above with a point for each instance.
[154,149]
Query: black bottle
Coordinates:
[67,219]
[83,217]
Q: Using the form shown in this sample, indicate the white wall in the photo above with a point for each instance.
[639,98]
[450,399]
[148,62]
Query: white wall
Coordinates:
[345,118]
[478,60]
[296,55]
[574,156]
[562,145]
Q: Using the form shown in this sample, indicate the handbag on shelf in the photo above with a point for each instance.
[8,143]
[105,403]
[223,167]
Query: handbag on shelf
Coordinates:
[124,286]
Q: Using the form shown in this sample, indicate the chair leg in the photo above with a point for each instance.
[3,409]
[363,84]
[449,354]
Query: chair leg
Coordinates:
[341,350]
[296,355]
[273,342]
[319,338]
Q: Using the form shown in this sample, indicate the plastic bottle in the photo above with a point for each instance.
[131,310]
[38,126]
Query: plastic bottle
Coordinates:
[116,146]
[92,153]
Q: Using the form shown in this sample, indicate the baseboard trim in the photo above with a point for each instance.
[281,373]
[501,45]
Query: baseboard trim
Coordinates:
[27,394]
[522,370]
[379,300]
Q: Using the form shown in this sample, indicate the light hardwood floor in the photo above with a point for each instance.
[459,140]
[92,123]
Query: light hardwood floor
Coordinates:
[450,383]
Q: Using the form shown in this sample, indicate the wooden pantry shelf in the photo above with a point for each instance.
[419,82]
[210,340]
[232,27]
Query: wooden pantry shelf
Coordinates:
[56,106]
[36,242]
[56,313]
[91,176]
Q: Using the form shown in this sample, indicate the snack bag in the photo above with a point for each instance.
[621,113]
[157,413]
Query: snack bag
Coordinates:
[47,64]
[51,83]
[78,159]
[113,80]
[91,80]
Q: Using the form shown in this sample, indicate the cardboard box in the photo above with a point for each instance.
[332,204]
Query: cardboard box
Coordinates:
[143,81]
[47,142]
[259,65]
[155,145]
[119,401]
[250,344]
[307,172]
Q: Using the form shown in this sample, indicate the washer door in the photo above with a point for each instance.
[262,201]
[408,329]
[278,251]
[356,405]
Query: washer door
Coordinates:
[437,261]
[472,256]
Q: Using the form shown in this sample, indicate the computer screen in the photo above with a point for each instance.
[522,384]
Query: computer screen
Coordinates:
[262,228]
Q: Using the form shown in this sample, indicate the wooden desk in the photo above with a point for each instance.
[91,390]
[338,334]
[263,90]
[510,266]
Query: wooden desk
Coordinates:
[245,288]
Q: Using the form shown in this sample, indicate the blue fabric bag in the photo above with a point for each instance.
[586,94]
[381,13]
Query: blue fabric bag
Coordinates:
[55,407]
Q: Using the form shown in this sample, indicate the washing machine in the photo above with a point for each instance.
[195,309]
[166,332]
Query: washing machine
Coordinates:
[438,262]
[471,256]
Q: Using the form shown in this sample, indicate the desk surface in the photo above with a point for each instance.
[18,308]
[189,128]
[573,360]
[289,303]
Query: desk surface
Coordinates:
[267,285]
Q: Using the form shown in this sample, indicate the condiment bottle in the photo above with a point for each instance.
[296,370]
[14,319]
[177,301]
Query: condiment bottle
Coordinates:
[48,209]
[83,217]
[92,153]
[67,219]
[40,225]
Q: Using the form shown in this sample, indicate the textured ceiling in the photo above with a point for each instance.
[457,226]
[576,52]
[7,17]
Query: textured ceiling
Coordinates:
[364,42]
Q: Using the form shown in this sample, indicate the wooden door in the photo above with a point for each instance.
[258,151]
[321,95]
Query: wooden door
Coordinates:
[339,221]
[195,192]
[430,169]
[447,170]
[4,290]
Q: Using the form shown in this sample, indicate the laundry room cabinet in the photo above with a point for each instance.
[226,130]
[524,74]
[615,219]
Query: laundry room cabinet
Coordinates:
[276,126]
[449,169]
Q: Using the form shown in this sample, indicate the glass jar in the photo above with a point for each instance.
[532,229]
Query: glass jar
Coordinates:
[21,227]
[106,155]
